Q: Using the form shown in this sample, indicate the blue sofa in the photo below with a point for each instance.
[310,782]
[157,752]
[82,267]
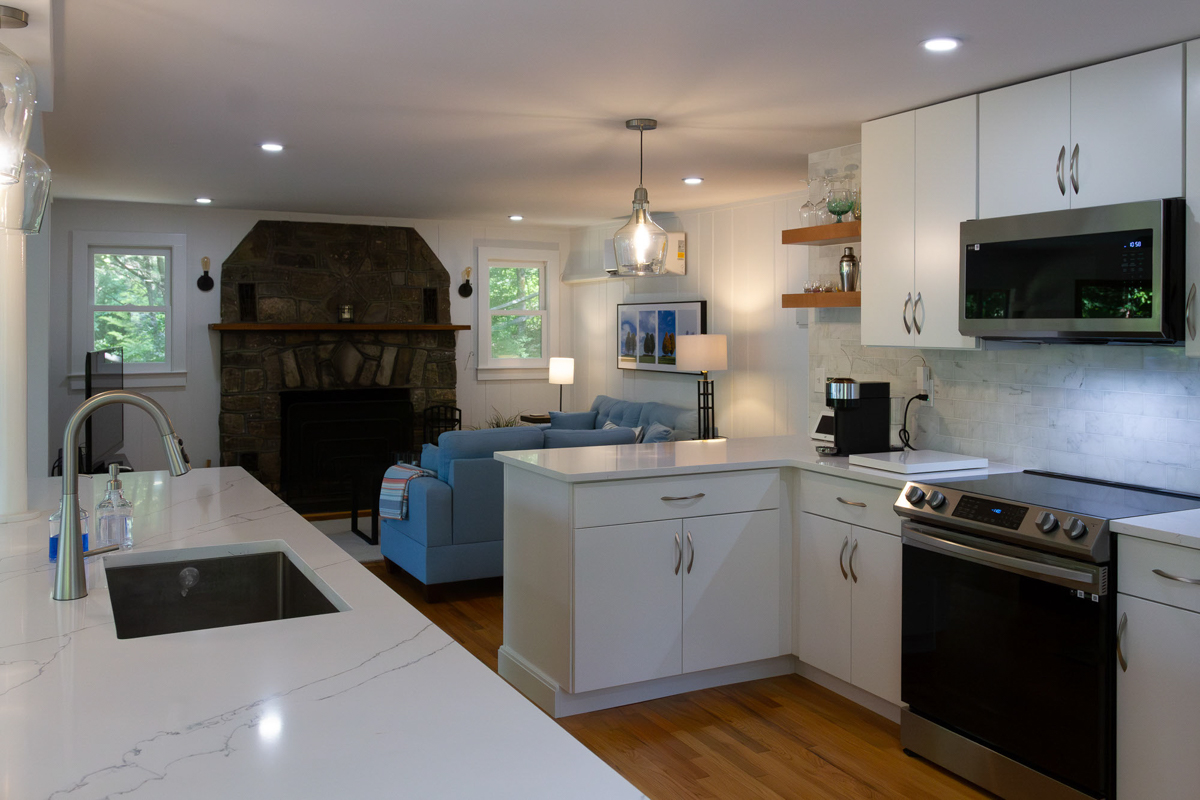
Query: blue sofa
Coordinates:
[455,525]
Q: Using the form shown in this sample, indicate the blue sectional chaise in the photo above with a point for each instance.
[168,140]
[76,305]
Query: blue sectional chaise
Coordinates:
[455,525]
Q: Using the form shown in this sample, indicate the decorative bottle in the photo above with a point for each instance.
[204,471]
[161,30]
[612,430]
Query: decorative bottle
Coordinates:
[114,514]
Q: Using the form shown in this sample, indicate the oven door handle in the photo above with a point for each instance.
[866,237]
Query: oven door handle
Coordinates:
[1051,573]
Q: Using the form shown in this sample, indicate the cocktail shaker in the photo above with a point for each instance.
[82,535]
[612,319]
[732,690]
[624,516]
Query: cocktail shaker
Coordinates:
[848,270]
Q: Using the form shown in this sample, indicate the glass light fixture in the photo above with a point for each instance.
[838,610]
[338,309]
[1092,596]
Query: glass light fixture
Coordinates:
[641,245]
[19,93]
[37,192]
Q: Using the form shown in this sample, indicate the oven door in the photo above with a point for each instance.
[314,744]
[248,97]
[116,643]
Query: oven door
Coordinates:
[1012,649]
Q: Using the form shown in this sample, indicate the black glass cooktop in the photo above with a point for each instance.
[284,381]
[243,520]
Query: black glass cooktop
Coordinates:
[1077,495]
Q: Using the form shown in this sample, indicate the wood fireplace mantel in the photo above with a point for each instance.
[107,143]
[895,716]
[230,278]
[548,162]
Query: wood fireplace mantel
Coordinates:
[332,326]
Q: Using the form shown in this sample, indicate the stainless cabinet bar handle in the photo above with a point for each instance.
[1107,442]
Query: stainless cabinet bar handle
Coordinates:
[1191,320]
[904,313]
[689,497]
[678,554]
[691,552]
[855,503]
[1075,169]
[1121,635]
[917,302]
[842,558]
[853,550]
[1170,577]
[1058,171]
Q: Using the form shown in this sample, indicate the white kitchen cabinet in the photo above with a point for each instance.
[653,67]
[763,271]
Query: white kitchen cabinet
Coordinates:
[848,603]
[1109,133]
[731,589]
[888,230]
[944,196]
[1157,702]
[1024,136]
[628,603]
[1192,286]
[823,595]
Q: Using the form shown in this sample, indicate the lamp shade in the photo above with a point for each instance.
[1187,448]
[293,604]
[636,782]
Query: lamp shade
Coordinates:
[19,92]
[703,352]
[641,245]
[36,186]
[562,370]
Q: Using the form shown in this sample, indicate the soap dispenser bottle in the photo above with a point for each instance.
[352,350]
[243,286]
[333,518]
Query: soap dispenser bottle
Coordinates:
[114,514]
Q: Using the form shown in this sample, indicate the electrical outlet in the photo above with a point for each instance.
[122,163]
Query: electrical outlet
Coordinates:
[925,382]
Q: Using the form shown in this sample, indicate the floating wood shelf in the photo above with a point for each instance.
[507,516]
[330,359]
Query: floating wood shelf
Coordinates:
[823,300]
[332,326]
[837,233]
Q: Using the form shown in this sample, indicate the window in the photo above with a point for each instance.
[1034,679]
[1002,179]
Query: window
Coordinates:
[514,314]
[128,292]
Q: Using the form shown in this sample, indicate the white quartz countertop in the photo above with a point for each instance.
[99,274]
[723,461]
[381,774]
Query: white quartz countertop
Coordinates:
[371,702]
[619,462]
[1178,527]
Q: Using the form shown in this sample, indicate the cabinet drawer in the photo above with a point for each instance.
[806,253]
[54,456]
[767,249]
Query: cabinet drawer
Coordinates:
[1138,558]
[619,502]
[840,499]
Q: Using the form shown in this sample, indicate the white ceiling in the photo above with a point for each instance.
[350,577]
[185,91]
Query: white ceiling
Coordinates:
[475,109]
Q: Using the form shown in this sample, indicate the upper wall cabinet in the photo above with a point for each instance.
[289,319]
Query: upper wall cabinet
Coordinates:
[1110,133]
[1193,195]
[919,171]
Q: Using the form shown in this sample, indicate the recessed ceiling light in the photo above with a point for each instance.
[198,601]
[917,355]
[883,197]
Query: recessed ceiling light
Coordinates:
[942,44]
[203,200]
[693,181]
[272,147]
[515,217]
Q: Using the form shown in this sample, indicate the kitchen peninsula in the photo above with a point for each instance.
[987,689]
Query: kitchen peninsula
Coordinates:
[369,702]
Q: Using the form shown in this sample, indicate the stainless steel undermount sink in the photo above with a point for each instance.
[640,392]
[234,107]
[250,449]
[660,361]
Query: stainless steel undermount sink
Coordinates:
[171,591]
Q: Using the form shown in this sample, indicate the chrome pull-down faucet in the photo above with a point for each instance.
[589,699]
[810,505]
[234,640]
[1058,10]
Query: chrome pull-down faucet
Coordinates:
[70,580]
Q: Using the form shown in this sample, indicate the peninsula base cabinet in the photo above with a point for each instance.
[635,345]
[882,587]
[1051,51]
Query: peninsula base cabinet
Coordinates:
[848,603]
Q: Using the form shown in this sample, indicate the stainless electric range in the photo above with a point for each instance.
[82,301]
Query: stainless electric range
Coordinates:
[1009,630]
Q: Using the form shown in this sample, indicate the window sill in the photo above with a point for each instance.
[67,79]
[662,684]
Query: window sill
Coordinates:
[138,380]
[512,374]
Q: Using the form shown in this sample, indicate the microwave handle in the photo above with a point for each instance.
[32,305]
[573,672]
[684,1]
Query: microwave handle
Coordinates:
[1191,309]
[1058,170]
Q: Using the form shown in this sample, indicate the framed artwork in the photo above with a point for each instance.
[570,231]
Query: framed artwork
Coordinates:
[646,333]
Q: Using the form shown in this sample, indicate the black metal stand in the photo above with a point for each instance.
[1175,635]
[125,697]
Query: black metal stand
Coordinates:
[373,538]
[707,414]
[560,398]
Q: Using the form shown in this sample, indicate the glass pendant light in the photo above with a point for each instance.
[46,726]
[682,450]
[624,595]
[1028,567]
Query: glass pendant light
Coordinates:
[37,192]
[18,92]
[641,245]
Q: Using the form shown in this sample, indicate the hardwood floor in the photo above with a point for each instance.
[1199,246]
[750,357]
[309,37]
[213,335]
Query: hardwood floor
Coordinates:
[774,739]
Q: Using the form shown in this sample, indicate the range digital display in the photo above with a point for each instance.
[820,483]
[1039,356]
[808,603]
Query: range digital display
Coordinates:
[992,512]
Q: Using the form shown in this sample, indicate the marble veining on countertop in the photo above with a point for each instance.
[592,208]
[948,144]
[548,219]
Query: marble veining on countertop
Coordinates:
[1178,527]
[364,703]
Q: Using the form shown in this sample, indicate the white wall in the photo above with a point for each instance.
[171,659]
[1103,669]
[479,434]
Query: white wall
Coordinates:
[736,262]
[214,232]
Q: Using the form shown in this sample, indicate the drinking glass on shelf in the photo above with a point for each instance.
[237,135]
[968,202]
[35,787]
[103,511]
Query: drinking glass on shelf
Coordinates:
[822,215]
[840,202]
[807,214]
[857,211]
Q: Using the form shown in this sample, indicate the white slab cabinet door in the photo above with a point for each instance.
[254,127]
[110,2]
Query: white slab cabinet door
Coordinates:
[1157,702]
[888,176]
[1192,287]
[628,603]
[946,161]
[731,589]
[1127,129]
[1024,147]
[823,595]
[875,564]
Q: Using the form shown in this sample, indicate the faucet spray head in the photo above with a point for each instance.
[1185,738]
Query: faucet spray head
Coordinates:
[177,458]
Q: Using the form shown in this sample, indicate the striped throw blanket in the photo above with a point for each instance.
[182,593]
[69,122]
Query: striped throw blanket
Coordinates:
[393,496]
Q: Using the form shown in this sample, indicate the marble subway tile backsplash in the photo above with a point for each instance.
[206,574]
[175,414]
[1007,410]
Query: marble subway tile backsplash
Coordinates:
[1114,412]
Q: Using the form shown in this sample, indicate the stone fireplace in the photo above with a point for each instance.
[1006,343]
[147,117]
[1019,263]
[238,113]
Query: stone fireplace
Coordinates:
[281,289]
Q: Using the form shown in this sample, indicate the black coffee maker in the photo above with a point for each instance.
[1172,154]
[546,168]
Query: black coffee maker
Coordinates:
[862,416]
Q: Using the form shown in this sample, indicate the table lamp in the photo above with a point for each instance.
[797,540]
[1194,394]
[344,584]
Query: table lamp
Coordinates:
[703,353]
[562,371]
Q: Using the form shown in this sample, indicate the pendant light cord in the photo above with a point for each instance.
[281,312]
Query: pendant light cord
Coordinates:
[641,152]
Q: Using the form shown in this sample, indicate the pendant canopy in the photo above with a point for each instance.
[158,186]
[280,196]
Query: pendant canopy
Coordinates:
[641,245]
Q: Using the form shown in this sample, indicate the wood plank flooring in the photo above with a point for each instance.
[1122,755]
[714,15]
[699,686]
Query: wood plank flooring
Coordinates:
[781,738]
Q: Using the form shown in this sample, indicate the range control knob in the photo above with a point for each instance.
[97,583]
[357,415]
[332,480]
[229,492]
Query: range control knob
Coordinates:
[914,495]
[1046,522]
[1075,528]
[936,499]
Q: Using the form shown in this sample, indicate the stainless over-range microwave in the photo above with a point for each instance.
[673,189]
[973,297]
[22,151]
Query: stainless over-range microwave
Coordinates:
[1104,274]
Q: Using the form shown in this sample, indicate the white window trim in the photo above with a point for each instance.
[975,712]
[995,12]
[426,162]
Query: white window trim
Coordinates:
[516,369]
[174,371]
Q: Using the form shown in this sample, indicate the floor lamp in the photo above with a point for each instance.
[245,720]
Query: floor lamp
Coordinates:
[562,371]
[703,353]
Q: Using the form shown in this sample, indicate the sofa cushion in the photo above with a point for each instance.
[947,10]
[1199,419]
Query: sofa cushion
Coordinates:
[453,445]
[561,438]
[656,433]
[683,421]
[431,457]
[573,420]
[618,412]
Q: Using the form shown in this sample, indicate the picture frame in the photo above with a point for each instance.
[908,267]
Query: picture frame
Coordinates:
[646,333]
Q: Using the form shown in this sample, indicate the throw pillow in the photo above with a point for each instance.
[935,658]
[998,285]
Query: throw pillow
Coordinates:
[430,457]
[657,432]
[638,431]
[573,420]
